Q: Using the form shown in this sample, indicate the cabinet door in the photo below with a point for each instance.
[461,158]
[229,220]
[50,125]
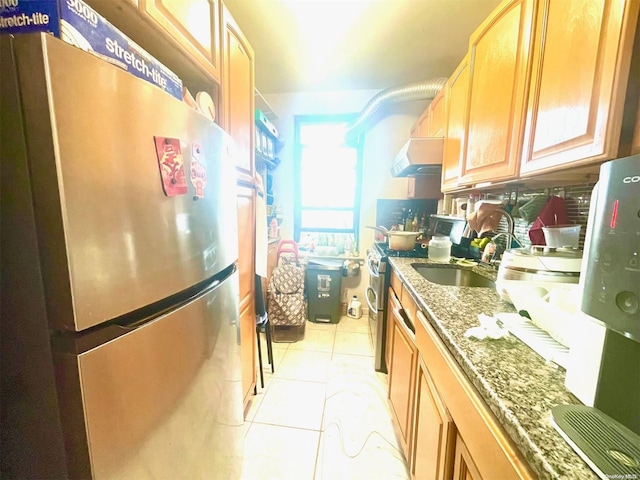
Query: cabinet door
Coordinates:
[248,345]
[423,186]
[272,258]
[238,94]
[392,304]
[499,52]
[457,92]
[195,24]
[578,82]
[433,432]
[436,125]
[464,468]
[401,378]
[246,270]
[421,128]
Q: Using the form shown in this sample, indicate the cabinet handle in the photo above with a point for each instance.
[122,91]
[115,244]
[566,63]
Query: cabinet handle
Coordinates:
[404,322]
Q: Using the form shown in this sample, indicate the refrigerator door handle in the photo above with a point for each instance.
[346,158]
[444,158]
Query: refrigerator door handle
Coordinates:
[165,306]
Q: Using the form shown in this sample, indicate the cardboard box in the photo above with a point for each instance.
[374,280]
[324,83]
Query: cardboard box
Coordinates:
[77,23]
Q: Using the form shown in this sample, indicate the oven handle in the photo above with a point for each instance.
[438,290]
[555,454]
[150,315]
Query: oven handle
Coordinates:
[372,308]
[370,269]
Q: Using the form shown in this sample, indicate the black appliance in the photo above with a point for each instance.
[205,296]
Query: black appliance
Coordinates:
[604,368]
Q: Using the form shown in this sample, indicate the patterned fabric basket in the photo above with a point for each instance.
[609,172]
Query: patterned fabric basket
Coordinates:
[286,303]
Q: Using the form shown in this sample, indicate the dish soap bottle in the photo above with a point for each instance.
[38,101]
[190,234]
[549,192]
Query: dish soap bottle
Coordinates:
[355,308]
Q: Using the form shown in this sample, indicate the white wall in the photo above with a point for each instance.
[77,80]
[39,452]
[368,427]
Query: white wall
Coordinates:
[381,144]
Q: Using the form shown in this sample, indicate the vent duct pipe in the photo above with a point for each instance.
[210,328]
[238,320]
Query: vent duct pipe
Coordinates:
[422,90]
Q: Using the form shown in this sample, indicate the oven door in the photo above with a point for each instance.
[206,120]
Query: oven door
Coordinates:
[375,300]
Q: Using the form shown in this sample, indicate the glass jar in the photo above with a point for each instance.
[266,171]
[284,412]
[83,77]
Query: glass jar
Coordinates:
[440,249]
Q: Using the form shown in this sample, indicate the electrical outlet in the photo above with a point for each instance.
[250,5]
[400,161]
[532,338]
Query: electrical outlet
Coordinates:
[345,295]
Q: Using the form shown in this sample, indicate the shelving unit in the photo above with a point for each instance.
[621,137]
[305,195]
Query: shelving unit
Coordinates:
[268,144]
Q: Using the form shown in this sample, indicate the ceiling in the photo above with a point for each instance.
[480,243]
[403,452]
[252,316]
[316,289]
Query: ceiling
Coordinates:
[321,45]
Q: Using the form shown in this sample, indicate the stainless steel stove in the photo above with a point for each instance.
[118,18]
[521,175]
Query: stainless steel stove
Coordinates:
[377,293]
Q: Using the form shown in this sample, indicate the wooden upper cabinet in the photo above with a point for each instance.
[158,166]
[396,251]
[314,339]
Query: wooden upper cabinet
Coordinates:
[436,124]
[195,24]
[421,128]
[499,54]
[457,93]
[431,122]
[238,86]
[581,59]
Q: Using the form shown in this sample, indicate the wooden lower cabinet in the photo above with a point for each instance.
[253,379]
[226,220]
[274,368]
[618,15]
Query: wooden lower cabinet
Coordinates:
[388,349]
[464,468]
[487,449]
[435,406]
[402,377]
[434,433]
[248,347]
[246,270]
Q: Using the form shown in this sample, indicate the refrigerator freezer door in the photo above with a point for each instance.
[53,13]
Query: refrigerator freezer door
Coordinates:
[162,401]
[110,240]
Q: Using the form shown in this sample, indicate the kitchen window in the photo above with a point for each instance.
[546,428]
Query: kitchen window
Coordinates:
[327,184]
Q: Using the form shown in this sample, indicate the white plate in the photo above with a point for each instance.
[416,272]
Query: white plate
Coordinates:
[204,100]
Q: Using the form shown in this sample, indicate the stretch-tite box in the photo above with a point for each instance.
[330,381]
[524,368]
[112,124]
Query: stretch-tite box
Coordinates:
[77,23]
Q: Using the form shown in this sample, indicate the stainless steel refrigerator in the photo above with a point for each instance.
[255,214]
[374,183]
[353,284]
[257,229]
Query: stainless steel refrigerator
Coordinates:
[120,336]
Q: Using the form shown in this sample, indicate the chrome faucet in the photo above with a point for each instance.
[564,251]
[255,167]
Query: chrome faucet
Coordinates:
[509,234]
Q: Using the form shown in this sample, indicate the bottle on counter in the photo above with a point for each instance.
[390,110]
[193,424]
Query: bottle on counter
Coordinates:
[408,222]
[414,224]
[273,229]
[440,249]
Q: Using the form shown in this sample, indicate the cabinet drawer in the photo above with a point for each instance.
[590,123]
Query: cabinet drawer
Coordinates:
[396,284]
[409,305]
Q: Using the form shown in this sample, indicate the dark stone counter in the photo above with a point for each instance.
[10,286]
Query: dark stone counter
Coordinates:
[517,384]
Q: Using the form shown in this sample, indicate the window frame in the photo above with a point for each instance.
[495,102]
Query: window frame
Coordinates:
[300,120]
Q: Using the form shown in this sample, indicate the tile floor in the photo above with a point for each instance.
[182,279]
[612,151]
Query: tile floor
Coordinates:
[323,414]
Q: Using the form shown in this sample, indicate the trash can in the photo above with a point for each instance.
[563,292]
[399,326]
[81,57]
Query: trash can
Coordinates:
[323,282]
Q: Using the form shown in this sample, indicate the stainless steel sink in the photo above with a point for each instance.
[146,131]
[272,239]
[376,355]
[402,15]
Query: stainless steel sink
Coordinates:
[452,275]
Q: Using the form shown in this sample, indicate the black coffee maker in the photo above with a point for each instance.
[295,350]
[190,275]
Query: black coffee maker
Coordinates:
[604,367]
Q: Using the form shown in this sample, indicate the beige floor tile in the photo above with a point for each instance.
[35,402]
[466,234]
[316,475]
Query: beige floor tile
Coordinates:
[293,403]
[355,325]
[279,350]
[358,406]
[342,363]
[304,365]
[346,400]
[369,457]
[279,453]
[317,339]
[353,343]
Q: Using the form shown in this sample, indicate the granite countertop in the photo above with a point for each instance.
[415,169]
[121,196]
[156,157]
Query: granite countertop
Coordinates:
[517,384]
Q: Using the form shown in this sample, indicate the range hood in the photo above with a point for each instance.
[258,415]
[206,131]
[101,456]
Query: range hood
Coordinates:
[419,156]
